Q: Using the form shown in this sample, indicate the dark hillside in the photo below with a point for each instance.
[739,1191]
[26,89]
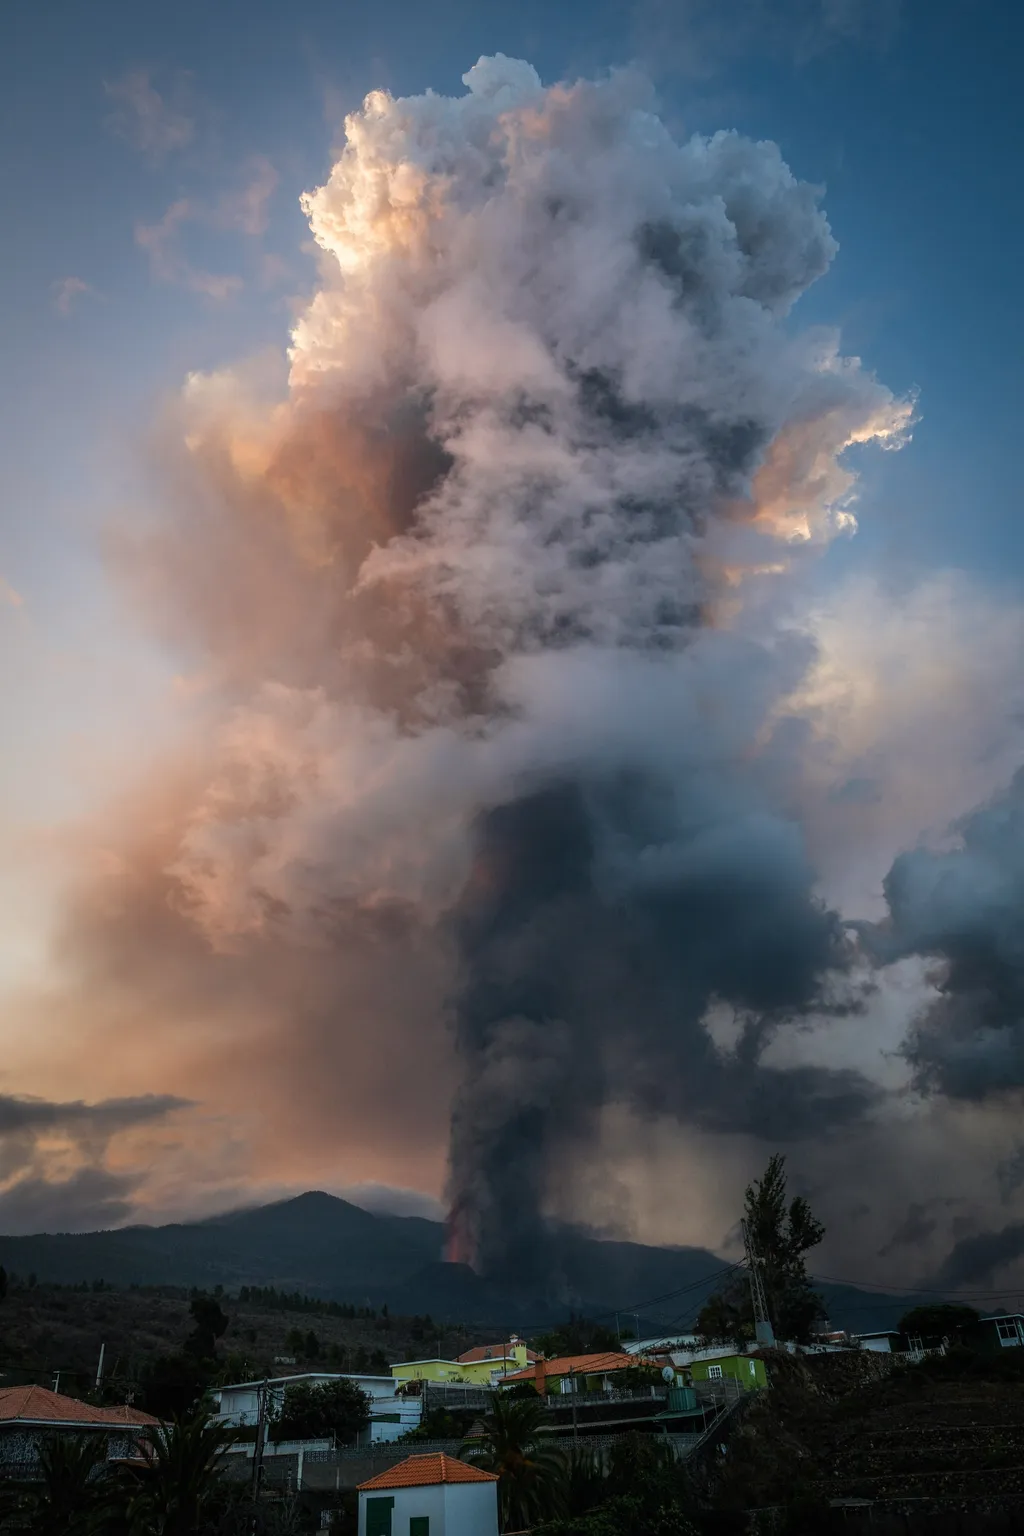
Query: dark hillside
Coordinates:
[919,1442]
[47,1329]
[322,1246]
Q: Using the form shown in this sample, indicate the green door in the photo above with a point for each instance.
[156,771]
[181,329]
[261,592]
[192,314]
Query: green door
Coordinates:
[378,1517]
[419,1525]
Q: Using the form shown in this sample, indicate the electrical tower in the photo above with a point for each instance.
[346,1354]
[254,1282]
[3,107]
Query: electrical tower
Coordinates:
[763,1330]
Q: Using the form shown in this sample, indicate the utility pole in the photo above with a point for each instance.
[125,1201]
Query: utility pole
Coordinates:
[763,1330]
[56,1382]
[572,1378]
[99,1368]
[261,1429]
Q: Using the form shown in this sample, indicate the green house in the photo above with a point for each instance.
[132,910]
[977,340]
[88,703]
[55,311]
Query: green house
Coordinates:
[749,1372]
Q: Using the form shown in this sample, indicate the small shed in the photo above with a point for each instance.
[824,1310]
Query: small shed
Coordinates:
[431,1495]
[745,1369]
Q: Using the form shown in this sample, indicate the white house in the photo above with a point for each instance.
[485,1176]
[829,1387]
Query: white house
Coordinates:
[884,1342]
[391,1414]
[432,1495]
[662,1346]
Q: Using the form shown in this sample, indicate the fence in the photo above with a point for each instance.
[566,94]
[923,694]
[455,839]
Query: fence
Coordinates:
[345,1468]
[436,1395]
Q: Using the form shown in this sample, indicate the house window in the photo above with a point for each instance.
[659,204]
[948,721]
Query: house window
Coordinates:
[714,1373]
[419,1525]
[1008,1330]
[567,1383]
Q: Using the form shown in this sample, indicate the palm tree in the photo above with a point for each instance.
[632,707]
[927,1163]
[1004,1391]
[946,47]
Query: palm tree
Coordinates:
[181,1476]
[70,1492]
[585,1480]
[531,1470]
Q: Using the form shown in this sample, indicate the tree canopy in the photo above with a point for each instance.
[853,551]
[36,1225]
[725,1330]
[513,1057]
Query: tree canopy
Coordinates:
[782,1232]
[321,1410]
[173,1384]
[937,1320]
[576,1336]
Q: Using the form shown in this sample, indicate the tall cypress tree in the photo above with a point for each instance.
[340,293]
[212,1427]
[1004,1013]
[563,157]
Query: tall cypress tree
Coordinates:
[781,1233]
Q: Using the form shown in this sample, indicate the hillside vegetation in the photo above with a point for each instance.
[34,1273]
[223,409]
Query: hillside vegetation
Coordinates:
[46,1329]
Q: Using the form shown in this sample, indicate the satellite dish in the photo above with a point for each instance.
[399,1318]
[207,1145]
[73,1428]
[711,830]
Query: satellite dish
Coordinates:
[668,1374]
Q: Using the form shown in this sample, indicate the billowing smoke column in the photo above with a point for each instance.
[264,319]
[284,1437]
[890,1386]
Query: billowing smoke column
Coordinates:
[550,451]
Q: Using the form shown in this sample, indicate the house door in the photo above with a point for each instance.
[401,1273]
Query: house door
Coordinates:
[378,1517]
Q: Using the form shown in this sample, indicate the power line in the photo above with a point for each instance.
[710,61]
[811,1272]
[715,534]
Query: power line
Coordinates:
[914,1290]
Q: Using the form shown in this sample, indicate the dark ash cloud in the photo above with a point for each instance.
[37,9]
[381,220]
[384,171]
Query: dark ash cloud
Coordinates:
[919,1224]
[20,1113]
[93,1199]
[964,908]
[599,924]
[977,1260]
[37,1192]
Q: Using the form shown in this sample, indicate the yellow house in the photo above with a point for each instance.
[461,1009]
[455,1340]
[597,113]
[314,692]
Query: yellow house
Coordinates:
[428,1370]
[483,1366]
[490,1363]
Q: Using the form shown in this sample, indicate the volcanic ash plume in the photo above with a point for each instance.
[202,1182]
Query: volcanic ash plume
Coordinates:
[495,603]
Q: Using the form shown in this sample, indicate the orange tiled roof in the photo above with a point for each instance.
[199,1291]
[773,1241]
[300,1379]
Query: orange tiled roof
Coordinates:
[496,1352]
[38,1405]
[422,1471]
[583,1365]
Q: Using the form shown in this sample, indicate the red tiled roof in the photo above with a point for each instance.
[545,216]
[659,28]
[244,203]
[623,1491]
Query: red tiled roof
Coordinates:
[582,1365]
[496,1352]
[422,1471]
[38,1405]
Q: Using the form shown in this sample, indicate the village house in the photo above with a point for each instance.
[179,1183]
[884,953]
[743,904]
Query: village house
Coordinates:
[434,1495]
[747,1370]
[989,1335]
[580,1373]
[30,1415]
[484,1366]
[440,1371]
[488,1364]
[392,1414]
[1005,1330]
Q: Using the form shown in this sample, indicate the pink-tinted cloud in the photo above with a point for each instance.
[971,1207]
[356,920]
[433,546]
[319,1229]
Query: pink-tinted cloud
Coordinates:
[247,209]
[146,119]
[168,263]
[68,292]
[244,211]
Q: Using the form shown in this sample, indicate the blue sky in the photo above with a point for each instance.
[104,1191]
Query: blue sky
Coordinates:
[155,155]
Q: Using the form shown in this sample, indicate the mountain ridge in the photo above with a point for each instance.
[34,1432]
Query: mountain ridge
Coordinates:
[328,1248]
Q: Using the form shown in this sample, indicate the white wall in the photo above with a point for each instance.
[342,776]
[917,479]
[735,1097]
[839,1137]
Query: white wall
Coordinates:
[415,1501]
[471,1509]
[241,1404]
[706,1352]
[410,1412]
[453,1509]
